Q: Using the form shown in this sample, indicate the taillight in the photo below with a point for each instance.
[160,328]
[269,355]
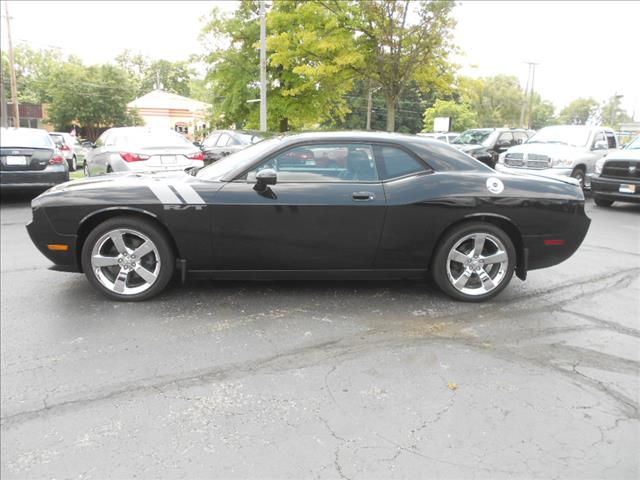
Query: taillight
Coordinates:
[56,160]
[196,156]
[133,157]
[65,147]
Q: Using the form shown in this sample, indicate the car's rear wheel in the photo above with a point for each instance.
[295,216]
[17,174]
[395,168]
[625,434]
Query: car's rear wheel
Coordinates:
[73,164]
[128,258]
[601,202]
[85,168]
[474,262]
[578,174]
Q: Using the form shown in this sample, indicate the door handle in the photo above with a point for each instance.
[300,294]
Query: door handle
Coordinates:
[363,196]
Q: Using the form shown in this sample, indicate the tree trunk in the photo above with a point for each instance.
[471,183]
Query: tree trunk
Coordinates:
[284,124]
[391,113]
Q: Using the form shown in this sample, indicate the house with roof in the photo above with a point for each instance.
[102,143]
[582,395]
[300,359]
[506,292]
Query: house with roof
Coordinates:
[161,109]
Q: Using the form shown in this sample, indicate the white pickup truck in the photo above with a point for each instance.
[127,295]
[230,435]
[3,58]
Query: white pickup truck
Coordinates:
[565,150]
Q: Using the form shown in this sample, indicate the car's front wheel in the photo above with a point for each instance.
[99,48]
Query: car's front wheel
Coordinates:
[474,262]
[578,174]
[128,258]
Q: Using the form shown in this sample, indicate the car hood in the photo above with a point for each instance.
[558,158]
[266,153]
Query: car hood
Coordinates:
[117,180]
[468,147]
[627,154]
[549,149]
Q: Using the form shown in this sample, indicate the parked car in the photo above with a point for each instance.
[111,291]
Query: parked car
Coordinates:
[73,152]
[402,206]
[141,149]
[617,176]
[486,144]
[565,150]
[221,143]
[30,160]
[447,137]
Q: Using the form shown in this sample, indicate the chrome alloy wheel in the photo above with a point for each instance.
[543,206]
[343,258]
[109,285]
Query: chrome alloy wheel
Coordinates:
[477,264]
[125,261]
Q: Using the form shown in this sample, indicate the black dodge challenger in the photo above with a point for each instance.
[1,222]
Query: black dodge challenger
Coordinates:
[314,205]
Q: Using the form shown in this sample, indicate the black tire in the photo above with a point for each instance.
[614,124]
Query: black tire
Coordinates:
[138,225]
[601,202]
[504,274]
[73,164]
[578,174]
[85,169]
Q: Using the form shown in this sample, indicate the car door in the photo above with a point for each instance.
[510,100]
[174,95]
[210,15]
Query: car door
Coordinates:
[504,141]
[314,218]
[96,156]
[599,147]
[209,146]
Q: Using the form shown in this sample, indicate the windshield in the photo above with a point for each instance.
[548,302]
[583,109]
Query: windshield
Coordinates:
[143,138]
[633,144]
[57,139]
[576,136]
[239,160]
[472,136]
[25,137]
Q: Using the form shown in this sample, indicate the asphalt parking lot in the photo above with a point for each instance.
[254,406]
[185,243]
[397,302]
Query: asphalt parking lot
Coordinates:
[324,379]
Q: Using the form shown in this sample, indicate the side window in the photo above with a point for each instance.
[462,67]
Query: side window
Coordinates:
[505,138]
[599,137]
[211,140]
[397,163]
[322,163]
[223,140]
[611,140]
[520,137]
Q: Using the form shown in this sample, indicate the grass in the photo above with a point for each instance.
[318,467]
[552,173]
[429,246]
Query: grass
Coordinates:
[77,175]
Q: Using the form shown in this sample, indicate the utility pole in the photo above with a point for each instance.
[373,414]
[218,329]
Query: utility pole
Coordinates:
[614,108]
[533,76]
[524,98]
[12,68]
[263,67]
[369,106]
[3,103]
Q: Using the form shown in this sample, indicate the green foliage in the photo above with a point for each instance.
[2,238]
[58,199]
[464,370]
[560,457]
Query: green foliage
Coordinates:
[94,97]
[496,100]
[578,112]
[613,114]
[399,42]
[145,74]
[463,118]
[542,113]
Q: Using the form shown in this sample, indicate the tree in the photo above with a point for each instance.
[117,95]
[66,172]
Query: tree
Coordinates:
[400,41]
[94,97]
[169,76]
[612,113]
[463,118]
[542,113]
[578,112]
[496,100]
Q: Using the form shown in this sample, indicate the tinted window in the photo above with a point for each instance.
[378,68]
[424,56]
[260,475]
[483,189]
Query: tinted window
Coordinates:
[611,140]
[397,163]
[24,137]
[322,163]
[223,140]
[598,138]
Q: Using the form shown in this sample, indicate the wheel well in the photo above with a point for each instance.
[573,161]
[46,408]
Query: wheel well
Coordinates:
[580,166]
[508,227]
[93,221]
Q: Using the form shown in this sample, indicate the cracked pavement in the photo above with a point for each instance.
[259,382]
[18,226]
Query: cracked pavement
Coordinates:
[324,379]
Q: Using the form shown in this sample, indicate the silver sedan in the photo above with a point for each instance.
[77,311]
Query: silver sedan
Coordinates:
[141,149]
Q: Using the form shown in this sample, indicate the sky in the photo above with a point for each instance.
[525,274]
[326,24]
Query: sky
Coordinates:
[584,48]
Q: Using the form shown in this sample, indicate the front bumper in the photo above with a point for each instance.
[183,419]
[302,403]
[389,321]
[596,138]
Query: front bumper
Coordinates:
[42,234]
[609,189]
[32,179]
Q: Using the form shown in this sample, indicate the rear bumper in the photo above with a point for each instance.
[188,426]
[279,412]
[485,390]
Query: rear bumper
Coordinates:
[609,189]
[551,249]
[42,234]
[32,179]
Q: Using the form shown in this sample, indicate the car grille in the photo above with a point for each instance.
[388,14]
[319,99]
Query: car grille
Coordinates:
[621,169]
[532,160]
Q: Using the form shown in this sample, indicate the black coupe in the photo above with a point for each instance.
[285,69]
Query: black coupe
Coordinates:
[314,205]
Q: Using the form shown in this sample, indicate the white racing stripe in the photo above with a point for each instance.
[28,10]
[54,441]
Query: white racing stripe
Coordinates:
[188,193]
[164,193]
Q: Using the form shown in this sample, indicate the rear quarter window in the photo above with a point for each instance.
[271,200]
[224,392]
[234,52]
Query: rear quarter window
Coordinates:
[396,163]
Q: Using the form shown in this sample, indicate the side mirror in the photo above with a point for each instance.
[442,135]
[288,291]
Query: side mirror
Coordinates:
[198,144]
[265,177]
[600,145]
